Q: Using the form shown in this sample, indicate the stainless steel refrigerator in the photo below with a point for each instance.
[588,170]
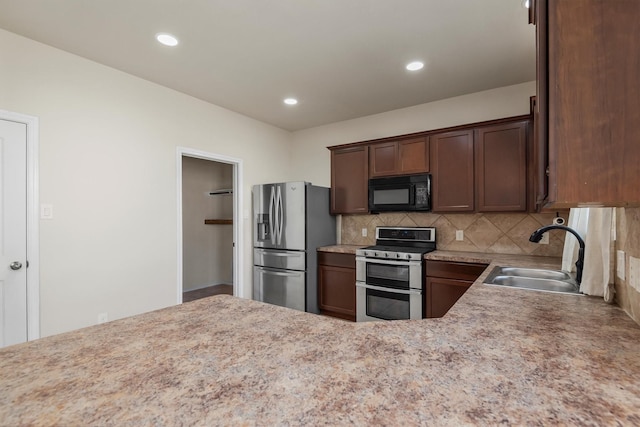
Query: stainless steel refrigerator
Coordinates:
[291,220]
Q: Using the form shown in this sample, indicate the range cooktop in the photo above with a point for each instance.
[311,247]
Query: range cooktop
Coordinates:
[405,243]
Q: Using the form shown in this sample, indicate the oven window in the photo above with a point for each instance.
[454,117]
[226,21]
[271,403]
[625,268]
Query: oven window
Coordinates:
[395,196]
[387,305]
[396,276]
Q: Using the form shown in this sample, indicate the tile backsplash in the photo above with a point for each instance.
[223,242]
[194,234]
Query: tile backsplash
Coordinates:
[504,233]
[628,241]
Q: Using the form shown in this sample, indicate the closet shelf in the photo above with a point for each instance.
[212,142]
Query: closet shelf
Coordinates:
[223,192]
[218,221]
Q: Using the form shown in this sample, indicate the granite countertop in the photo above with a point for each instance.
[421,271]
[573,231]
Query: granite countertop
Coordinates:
[497,259]
[472,257]
[500,356]
[341,249]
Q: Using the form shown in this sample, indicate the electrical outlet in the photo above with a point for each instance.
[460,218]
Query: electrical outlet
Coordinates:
[620,265]
[364,232]
[459,235]
[545,239]
[103,318]
[634,273]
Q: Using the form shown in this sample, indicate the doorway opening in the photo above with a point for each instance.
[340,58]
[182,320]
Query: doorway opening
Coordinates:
[209,225]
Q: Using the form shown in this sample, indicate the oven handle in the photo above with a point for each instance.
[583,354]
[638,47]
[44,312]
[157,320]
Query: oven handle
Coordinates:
[388,262]
[390,290]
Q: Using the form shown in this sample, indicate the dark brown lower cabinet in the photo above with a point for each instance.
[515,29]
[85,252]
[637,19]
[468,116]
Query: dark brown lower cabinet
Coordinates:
[337,285]
[446,282]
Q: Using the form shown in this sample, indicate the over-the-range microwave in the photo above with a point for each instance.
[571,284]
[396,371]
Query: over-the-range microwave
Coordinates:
[400,193]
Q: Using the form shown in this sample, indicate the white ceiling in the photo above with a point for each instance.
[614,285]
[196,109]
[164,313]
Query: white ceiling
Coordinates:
[342,59]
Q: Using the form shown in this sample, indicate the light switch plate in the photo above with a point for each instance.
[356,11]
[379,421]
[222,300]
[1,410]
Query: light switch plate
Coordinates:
[459,235]
[620,265]
[364,232]
[46,211]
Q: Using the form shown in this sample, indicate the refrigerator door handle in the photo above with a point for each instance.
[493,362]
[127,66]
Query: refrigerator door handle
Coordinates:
[297,255]
[272,200]
[280,215]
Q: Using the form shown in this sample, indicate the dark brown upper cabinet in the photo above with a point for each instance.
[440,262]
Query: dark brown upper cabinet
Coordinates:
[501,167]
[537,175]
[349,180]
[382,159]
[588,101]
[452,182]
[478,167]
[403,157]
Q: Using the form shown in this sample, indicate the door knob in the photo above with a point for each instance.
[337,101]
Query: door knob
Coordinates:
[15,265]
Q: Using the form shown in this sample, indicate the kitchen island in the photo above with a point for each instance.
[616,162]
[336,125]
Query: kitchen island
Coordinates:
[500,356]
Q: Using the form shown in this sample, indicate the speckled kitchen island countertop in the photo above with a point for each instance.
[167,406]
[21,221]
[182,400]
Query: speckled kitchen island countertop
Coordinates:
[500,356]
[341,249]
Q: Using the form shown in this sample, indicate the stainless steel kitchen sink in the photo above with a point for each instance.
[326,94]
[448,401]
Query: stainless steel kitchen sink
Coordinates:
[535,273]
[534,279]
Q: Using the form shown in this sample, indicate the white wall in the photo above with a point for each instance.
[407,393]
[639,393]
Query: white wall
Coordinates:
[207,249]
[311,159]
[108,166]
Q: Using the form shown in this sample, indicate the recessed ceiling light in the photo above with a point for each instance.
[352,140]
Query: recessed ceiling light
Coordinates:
[415,66]
[290,101]
[167,39]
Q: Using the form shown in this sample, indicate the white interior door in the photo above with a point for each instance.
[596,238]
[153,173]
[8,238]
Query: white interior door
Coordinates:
[13,233]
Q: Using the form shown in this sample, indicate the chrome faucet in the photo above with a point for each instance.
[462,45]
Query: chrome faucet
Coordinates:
[536,236]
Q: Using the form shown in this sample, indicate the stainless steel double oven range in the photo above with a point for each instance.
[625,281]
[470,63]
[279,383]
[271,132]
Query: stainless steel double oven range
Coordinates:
[390,275]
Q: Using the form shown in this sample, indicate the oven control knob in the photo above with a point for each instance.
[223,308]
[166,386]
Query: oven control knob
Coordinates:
[408,256]
[375,254]
[398,255]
